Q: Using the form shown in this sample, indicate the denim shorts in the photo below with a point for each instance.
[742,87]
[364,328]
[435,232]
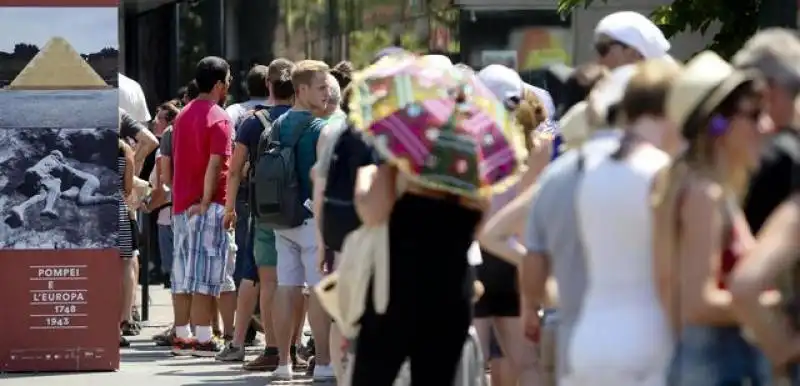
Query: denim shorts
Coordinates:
[166,249]
[717,356]
[245,263]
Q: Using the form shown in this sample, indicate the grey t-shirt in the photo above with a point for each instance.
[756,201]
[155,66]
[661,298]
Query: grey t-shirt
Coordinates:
[552,230]
[166,142]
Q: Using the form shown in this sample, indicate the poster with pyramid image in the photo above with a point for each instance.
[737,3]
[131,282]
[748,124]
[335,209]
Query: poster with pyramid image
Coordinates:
[60,211]
[58,66]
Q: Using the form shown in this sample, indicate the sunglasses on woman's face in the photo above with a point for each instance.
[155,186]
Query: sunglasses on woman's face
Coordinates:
[751,115]
[604,47]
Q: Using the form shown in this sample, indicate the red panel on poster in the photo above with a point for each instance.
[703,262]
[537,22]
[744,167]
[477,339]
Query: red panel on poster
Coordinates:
[59,3]
[60,309]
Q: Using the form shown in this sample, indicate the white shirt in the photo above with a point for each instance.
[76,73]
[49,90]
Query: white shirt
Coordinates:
[237,110]
[132,100]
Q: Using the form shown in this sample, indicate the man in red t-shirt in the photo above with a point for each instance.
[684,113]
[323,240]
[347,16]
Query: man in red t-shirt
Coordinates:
[203,266]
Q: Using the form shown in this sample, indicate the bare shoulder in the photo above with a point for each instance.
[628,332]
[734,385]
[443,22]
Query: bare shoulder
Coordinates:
[702,197]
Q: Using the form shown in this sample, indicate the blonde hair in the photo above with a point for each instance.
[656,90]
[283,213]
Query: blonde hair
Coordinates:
[645,94]
[305,71]
[530,112]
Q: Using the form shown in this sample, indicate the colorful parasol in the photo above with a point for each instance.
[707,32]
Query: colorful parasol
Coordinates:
[439,125]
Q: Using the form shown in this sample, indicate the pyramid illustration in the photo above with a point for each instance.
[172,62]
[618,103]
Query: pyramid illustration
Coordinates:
[58,67]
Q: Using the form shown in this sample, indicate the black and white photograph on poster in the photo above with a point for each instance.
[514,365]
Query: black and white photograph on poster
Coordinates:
[59,188]
[58,66]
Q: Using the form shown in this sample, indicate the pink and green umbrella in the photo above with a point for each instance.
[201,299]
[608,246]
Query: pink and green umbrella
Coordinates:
[439,125]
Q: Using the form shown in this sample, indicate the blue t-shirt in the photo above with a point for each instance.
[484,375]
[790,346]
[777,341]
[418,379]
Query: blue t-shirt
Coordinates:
[249,131]
[306,149]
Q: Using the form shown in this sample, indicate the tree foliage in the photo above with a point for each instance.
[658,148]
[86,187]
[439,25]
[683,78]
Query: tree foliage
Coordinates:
[737,20]
[364,44]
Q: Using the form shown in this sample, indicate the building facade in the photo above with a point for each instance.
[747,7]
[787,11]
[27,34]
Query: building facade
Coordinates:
[531,33]
[161,40]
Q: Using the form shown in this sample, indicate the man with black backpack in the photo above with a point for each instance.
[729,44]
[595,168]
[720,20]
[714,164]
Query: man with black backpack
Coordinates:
[282,201]
[261,244]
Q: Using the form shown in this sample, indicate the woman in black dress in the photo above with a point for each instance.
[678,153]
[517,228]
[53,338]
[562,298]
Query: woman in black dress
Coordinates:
[429,286]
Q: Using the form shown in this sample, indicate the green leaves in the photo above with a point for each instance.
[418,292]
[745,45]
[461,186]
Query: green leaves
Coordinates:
[737,20]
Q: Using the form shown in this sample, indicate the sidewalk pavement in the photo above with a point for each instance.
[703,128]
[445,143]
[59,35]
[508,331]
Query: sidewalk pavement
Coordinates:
[145,364]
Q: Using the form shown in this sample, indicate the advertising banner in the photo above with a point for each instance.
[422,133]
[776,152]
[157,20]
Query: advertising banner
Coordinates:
[59,185]
[60,310]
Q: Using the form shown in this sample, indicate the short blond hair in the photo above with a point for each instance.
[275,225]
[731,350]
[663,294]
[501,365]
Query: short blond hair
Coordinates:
[305,71]
[646,92]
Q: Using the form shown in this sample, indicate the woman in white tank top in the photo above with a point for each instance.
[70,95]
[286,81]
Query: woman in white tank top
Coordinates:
[622,336]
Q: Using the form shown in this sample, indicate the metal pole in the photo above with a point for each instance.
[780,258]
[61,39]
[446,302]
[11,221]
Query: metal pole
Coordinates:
[145,253]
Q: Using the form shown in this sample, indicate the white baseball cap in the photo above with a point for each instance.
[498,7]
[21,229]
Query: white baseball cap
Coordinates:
[502,81]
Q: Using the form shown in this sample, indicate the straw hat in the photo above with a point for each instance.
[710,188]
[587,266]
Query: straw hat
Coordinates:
[609,92]
[574,124]
[578,123]
[704,83]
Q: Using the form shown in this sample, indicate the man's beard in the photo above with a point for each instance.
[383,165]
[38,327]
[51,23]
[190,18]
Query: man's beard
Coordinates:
[223,98]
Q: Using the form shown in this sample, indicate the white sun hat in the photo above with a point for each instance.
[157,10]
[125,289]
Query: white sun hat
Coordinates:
[636,31]
[438,61]
[502,81]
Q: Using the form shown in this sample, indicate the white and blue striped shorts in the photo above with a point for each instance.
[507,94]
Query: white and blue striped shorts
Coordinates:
[203,261]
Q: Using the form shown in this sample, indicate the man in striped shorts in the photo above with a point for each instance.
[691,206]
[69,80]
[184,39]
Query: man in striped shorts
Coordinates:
[204,263]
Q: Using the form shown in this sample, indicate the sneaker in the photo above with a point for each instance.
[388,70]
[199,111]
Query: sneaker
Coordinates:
[312,364]
[283,373]
[263,362]
[253,342]
[324,373]
[231,354]
[183,347]
[298,361]
[207,349]
[129,328]
[165,338]
[124,342]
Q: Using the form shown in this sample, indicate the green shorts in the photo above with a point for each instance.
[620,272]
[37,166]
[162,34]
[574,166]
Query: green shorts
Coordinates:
[264,247]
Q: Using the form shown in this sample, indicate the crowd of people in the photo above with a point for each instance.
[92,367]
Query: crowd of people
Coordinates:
[642,230]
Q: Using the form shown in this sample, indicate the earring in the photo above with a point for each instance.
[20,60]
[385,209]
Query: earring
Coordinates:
[718,125]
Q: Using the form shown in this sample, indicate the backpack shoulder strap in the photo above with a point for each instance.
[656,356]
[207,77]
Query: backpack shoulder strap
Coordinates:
[263,117]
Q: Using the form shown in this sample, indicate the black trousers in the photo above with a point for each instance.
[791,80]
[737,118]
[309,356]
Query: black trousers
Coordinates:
[427,321]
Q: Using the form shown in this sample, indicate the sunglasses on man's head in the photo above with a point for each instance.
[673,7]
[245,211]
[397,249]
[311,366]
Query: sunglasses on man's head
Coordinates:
[604,47]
